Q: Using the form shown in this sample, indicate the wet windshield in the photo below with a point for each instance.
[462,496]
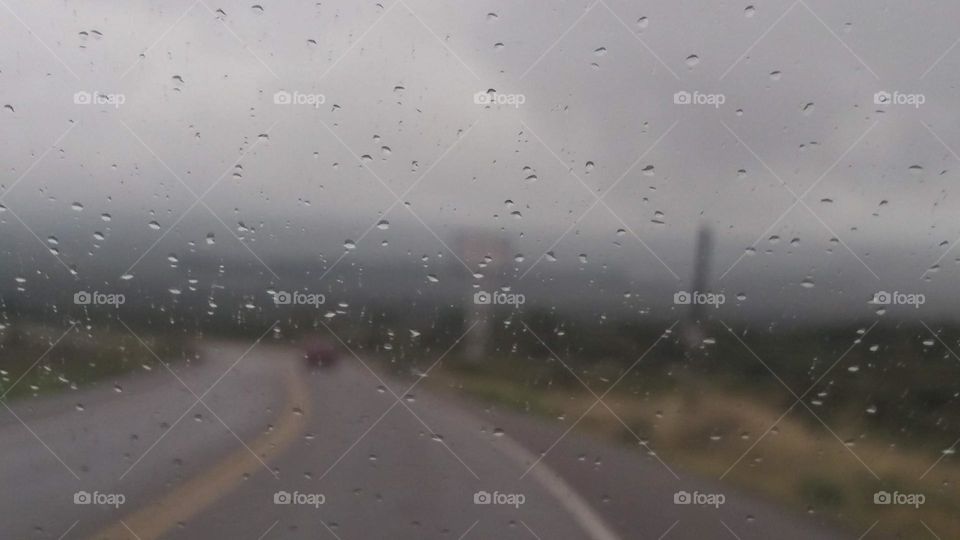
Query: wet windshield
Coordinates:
[411,269]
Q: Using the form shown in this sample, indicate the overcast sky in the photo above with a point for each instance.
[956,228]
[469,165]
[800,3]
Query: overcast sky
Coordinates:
[398,84]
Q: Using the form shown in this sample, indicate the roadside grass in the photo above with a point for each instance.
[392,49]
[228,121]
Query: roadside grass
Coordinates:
[31,365]
[705,427]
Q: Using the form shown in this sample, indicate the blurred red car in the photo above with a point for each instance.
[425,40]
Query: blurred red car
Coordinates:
[320,353]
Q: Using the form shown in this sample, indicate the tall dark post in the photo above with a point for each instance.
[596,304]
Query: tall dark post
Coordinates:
[701,269]
[692,333]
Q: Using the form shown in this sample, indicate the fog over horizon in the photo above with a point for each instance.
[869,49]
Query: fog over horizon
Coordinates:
[198,90]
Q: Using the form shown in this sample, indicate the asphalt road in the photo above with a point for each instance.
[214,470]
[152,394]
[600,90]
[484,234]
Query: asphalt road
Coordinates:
[275,451]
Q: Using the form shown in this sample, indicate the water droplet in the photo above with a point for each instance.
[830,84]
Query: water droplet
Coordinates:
[383,224]
[749,11]
[154,225]
[692,60]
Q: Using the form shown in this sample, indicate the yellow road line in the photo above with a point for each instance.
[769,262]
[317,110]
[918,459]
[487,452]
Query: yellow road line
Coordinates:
[193,496]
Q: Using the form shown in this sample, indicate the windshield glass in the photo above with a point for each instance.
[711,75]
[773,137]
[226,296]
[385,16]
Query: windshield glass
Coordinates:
[409,269]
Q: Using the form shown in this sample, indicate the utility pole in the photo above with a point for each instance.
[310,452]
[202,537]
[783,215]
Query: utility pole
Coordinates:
[692,332]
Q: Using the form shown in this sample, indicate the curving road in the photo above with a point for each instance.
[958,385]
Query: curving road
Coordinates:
[350,459]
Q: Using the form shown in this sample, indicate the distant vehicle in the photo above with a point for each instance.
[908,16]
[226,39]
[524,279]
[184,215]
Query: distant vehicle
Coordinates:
[320,353]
